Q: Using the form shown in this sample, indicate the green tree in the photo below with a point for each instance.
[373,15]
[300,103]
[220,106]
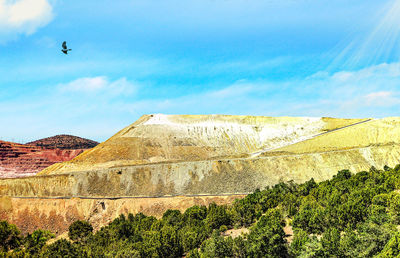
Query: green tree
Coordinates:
[122,248]
[151,245]
[35,241]
[239,247]
[217,216]
[10,236]
[394,207]
[310,217]
[267,238]
[216,246]
[298,244]
[331,242]
[349,243]
[193,254]
[63,249]
[172,217]
[171,244]
[306,188]
[192,237]
[313,248]
[80,230]
[392,248]
[367,240]
[195,215]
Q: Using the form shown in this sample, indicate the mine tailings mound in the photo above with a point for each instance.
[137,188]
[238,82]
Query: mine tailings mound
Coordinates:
[176,161]
[20,160]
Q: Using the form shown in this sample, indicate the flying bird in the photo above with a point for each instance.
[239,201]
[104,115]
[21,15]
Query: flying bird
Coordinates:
[65,49]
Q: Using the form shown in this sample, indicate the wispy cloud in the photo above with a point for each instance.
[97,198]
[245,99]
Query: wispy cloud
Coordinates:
[99,84]
[89,107]
[96,107]
[86,84]
[368,92]
[23,17]
[383,98]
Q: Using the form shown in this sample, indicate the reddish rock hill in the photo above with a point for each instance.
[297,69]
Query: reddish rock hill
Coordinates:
[20,160]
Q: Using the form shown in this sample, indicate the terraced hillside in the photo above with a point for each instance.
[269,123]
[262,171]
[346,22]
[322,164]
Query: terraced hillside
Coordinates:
[160,157]
[155,139]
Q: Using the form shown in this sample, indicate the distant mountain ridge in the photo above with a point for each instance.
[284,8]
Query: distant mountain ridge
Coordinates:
[64,141]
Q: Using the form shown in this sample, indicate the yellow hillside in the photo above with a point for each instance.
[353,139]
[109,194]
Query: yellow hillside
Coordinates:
[377,132]
[171,138]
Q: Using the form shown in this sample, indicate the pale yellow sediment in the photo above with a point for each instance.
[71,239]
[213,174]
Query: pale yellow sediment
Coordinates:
[375,132]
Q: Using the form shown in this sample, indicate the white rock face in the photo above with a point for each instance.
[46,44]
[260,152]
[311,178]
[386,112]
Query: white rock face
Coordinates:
[243,133]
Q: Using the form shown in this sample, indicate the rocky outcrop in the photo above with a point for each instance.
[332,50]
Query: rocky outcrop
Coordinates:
[20,160]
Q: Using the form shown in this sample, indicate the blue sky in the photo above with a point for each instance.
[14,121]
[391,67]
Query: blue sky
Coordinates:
[335,58]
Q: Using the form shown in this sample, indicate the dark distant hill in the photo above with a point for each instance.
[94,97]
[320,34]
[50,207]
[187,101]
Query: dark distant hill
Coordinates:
[64,141]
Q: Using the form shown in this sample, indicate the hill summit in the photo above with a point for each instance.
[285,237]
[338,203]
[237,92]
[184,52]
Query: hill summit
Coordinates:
[64,141]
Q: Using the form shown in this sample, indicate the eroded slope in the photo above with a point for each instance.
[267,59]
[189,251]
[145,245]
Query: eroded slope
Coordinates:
[174,138]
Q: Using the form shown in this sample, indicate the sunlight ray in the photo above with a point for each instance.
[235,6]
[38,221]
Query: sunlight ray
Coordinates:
[381,45]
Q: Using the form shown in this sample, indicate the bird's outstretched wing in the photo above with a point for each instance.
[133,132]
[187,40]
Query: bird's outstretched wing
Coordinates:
[64,45]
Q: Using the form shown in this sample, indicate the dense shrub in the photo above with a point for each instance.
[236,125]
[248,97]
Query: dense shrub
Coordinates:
[10,236]
[80,230]
[63,248]
[34,242]
[267,238]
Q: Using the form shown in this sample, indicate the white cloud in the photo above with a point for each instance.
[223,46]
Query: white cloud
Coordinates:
[90,107]
[377,95]
[99,84]
[23,17]
[382,99]
[372,91]
[86,84]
